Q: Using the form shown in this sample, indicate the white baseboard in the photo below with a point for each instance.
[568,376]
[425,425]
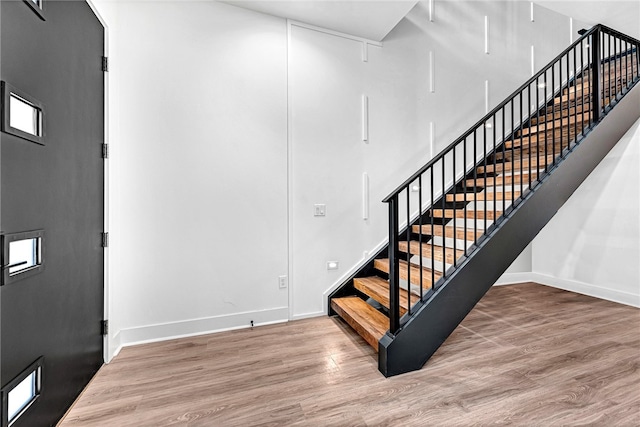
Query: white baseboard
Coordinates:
[115,346]
[587,289]
[308,315]
[194,327]
[514,278]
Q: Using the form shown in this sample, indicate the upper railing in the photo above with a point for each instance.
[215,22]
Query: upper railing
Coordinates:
[441,214]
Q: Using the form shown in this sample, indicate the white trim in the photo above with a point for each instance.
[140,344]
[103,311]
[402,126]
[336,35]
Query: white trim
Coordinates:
[107,343]
[486,34]
[533,60]
[308,315]
[514,278]
[115,346]
[289,175]
[532,17]
[202,326]
[291,22]
[587,289]
[365,52]
[572,286]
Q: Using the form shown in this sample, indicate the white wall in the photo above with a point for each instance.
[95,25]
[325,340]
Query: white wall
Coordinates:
[221,143]
[592,245]
[198,159]
[327,78]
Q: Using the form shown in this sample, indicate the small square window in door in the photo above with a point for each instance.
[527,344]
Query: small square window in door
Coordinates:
[22,255]
[22,115]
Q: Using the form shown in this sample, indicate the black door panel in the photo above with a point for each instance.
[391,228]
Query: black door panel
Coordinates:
[58,188]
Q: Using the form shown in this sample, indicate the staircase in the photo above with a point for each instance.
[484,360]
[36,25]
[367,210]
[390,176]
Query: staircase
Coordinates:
[458,223]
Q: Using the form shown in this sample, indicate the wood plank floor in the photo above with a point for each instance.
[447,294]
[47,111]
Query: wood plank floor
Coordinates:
[526,355]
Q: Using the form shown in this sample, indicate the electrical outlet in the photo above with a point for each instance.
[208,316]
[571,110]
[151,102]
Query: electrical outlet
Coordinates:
[320,210]
[282,282]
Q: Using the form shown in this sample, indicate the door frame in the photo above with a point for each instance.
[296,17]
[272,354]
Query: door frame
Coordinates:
[106,347]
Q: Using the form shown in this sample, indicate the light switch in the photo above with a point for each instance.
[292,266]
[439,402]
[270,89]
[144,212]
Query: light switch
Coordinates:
[319,210]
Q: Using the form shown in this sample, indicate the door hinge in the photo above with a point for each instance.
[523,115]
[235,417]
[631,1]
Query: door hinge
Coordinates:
[105,151]
[105,240]
[105,64]
[104,327]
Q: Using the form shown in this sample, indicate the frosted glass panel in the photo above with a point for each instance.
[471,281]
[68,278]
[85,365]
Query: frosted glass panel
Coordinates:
[22,395]
[23,254]
[24,116]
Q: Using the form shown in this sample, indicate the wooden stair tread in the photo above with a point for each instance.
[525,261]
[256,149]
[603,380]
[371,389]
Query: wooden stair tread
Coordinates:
[558,113]
[378,289]
[551,124]
[383,265]
[544,137]
[368,322]
[449,231]
[438,251]
[460,213]
[501,180]
[480,196]
[507,166]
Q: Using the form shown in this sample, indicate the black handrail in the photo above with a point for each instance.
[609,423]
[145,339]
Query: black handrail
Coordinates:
[539,74]
[587,79]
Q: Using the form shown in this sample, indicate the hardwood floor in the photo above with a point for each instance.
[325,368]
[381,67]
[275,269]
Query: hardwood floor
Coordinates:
[526,355]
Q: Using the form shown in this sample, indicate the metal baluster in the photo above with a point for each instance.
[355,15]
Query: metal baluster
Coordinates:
[605,104]
[494,169]
[538,124]
[615,70]
[433,259]
[582,84]
[464,184]
[530,135]
[626,64]
[546,125]
[504,163]
[575,81]
[475,187]
[484,155]
[408,236]
[420,235]
[513,155]
[455,251]
[444,231]
[553,138]
[596,76]
[521,147]
[394,276]
[553,108]
[568,108]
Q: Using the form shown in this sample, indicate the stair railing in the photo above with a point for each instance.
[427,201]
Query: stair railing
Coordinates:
[577,88]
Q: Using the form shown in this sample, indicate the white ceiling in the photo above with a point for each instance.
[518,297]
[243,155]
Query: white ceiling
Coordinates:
[372,19]
[622,15]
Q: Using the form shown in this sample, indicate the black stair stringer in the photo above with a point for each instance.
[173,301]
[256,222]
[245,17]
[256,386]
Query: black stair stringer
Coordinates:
[434,321]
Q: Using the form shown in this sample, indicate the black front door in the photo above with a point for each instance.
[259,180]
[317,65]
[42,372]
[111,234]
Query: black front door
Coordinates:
[51,206]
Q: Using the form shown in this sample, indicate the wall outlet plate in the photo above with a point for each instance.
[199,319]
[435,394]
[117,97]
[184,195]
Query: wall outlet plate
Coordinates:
[319,210]
[282,282]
